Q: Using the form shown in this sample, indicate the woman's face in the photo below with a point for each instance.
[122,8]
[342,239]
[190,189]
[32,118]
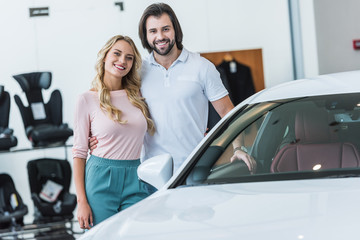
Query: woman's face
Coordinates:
[119,60]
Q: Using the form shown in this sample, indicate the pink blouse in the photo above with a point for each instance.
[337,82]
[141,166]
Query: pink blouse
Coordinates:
[115,140]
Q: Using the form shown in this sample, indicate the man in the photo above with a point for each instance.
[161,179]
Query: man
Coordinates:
[177,85]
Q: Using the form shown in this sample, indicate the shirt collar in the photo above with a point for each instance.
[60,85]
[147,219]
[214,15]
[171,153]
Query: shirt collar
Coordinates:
[182,57]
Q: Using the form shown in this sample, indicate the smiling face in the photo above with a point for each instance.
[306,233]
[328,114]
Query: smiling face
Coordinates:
[160,34]
[118,61]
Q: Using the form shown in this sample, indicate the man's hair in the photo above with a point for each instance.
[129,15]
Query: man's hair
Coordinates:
[157,10]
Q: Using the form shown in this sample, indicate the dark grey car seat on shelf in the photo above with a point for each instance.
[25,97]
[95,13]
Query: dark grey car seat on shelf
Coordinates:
[43,122]
[12,212]
[7,139]
[12,208]
[57,171]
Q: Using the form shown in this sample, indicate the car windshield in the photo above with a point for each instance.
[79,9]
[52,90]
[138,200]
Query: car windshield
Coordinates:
[289,139]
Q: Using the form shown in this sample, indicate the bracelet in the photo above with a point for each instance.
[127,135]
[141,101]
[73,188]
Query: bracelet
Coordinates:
[242,148]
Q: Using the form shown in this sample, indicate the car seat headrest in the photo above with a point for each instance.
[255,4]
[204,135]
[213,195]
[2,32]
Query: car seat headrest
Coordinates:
[34,80]
[312,125]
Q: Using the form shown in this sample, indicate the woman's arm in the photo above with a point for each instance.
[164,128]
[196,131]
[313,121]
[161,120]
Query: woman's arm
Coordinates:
[81,134]
[84,213]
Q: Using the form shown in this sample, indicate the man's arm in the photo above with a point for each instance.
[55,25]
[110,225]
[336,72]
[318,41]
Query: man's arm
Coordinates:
[240,153]
[222,107]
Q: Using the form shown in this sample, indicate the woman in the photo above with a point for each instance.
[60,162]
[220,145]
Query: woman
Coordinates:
[113,111]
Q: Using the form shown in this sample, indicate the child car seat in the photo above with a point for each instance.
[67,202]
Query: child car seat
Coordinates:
[42,122]
[12,208]
[61,205]
[7,140]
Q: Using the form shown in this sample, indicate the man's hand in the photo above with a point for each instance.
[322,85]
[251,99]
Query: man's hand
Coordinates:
[92,144]
[249,160]
[207,131]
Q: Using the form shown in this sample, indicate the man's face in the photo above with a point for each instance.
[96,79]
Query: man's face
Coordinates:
[160,34]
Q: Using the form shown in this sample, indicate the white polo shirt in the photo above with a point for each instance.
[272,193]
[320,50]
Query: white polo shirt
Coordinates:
[178,103]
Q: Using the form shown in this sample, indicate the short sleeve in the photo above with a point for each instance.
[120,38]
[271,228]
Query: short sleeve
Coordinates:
[214,88]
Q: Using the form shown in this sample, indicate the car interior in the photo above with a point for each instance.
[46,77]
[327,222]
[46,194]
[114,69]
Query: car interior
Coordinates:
[311,134]
[315,145]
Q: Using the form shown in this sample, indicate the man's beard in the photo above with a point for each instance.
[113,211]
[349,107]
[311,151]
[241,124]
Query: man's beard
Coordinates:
[165,51]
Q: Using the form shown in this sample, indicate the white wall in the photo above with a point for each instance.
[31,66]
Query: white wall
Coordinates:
[337,25]
[66,43]
[308,32]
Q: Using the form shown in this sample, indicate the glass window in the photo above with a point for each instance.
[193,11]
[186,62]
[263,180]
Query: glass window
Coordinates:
[306,135]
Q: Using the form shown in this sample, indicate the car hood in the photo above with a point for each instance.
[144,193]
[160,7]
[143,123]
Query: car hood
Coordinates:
[305,209]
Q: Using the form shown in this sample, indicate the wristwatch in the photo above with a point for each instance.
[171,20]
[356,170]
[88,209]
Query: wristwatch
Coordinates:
[242,148]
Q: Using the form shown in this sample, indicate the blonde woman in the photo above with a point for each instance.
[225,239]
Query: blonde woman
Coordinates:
[115,113]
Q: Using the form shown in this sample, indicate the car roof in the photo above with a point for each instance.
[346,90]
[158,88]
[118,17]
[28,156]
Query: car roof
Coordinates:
[336,83]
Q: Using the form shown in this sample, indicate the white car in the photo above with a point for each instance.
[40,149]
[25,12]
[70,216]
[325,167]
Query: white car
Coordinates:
[305,138]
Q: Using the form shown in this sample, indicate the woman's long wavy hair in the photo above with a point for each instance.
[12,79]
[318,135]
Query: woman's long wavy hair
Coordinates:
[131,83]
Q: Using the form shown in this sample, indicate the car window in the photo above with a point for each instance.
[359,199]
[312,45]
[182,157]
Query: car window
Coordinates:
[294,136]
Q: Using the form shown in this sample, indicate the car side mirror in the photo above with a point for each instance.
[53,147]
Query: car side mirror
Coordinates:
[157,170]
